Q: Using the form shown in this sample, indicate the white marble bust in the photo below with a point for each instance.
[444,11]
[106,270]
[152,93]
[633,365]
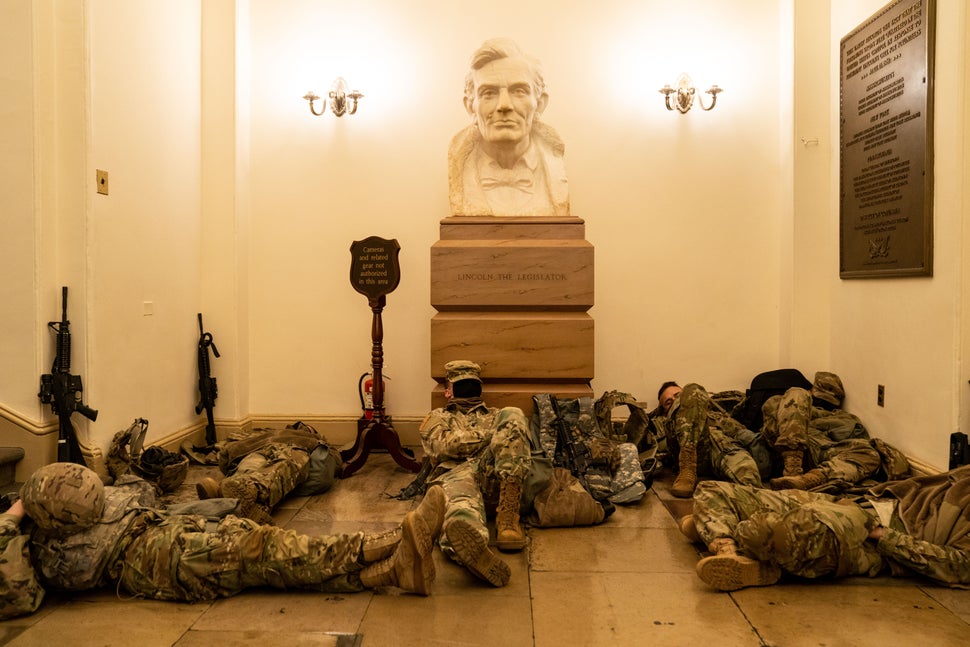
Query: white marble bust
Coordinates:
[506,163]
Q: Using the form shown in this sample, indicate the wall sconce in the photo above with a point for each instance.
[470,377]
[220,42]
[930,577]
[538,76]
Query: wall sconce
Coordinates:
[685,95]
[341,101]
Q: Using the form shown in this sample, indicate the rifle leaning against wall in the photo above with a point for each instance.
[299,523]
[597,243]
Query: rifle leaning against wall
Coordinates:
[208,390]
[62,390]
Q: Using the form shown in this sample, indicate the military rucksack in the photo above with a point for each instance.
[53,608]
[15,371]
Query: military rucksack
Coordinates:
[763,386]
[571,436]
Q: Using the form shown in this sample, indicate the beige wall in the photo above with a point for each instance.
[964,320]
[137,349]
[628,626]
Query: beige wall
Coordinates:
[905,334]
[715,232]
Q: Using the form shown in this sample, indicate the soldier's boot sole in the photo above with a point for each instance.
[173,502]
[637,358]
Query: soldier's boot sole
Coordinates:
[473,552]
[733,572]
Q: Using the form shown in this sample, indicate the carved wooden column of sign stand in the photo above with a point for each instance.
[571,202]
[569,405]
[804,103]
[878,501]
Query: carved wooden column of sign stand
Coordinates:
[375,273]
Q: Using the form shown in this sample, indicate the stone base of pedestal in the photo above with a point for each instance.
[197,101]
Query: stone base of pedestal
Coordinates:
[512,295]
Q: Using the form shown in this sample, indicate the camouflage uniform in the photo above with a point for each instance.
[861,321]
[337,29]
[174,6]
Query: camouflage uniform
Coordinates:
[474,447]
[832,440]
[87,535]
[274,462]
[812,534]
[722,443]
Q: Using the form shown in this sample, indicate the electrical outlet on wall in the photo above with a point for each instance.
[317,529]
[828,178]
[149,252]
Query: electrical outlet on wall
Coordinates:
[881,396]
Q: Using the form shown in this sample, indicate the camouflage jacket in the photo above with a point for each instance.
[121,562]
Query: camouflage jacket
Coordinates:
[457,431]
[83,560]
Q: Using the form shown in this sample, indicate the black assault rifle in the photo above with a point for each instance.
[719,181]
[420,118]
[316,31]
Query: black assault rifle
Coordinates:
[207,384]
[575,456]
[62,390]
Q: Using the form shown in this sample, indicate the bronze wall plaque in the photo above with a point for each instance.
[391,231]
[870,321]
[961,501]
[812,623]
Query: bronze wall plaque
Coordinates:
[374,268]
[886,143]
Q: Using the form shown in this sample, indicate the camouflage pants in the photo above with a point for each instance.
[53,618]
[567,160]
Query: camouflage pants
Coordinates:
[476,484]
[175,559]
[788,426]
[807,534]
[720,452]
[275,470]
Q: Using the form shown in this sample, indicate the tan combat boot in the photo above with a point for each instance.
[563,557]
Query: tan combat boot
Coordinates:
[686,480]
[472,551]
[432,510]
[411,567]
[509,535]
[380,546]
[428,515]
[689,529]
[208,488]
[245,491]
[807,481]
[793,462]
[725,570]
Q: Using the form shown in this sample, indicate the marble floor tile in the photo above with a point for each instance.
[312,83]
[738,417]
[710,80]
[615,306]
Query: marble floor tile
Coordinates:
[605,548]
[849,614]
[111,622]
[658,609]
[485,620]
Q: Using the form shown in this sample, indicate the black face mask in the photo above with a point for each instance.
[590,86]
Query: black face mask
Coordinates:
[466,389]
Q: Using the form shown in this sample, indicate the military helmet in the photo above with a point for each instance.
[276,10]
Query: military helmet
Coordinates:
[63,496]
[828,387]
[462,369]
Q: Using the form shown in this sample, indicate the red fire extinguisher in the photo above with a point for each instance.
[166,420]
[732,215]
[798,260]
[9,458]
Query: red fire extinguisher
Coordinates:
[365,387]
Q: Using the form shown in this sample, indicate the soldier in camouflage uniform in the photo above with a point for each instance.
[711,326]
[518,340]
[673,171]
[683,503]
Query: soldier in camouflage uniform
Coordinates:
[808,427]
[85,535]
[919,525]
[707,440]
[264,466]
[481,457]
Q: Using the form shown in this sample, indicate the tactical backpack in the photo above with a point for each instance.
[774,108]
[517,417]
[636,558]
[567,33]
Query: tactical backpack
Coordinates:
[763,386]
[570,435]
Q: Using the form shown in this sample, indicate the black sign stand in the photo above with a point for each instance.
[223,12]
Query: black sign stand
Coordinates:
[374,272]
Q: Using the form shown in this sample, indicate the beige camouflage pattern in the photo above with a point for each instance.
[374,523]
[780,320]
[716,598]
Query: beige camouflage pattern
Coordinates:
[828,387]
[174,558]
[151,553]
[20,591]
[719,438]
[833,441]
[475,447]
[813,534]
[275,469]
[805,533]
[63,496]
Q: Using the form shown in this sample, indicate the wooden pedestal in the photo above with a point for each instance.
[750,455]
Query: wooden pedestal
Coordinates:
[512,294]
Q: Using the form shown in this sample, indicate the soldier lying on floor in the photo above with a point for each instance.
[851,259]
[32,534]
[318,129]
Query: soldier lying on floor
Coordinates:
[919,525]
[78,534]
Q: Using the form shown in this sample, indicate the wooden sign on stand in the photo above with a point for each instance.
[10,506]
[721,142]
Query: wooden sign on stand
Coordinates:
[375,273]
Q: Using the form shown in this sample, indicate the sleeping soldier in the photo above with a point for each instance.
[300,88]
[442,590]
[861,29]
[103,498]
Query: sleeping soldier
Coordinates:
[85,535]
[919,525]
